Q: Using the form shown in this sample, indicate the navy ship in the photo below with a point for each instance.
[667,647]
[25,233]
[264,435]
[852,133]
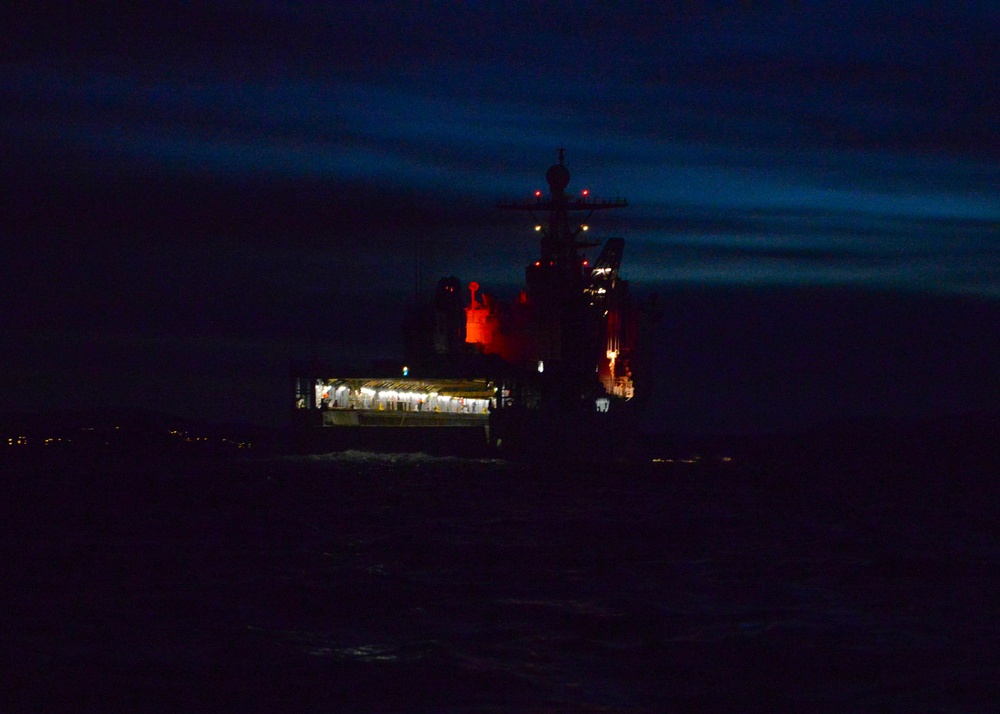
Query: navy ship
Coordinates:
[548,372]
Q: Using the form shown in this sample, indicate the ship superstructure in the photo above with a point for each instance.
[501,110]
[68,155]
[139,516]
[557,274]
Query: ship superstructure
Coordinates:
[579,319]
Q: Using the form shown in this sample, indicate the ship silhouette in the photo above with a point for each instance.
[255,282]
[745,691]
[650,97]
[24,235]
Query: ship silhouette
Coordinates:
[551,372]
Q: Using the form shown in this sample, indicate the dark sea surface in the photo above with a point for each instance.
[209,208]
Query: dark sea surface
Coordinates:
[360,582]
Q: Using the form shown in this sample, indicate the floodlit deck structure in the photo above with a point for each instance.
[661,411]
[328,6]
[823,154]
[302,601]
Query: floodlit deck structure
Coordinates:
[374,401]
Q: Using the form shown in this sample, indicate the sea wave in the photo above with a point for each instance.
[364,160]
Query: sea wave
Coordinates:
[360,581]
[358,457]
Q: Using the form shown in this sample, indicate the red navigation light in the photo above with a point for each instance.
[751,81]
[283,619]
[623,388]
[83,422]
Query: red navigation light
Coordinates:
[538,262]
[586,263]
[585,192]
[538,193]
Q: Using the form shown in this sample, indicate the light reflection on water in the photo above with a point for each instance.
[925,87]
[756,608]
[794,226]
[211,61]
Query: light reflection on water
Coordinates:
[365,653]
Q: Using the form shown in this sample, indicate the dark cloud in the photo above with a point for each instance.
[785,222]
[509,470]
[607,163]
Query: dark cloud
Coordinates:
[743,357]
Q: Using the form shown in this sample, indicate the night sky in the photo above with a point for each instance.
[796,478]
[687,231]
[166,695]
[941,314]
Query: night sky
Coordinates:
[195,193]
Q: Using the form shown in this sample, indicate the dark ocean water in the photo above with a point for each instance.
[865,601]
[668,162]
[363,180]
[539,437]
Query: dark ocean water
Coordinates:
[375,583]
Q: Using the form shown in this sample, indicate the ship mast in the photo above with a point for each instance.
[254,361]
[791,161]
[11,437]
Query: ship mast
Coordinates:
[560,240]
